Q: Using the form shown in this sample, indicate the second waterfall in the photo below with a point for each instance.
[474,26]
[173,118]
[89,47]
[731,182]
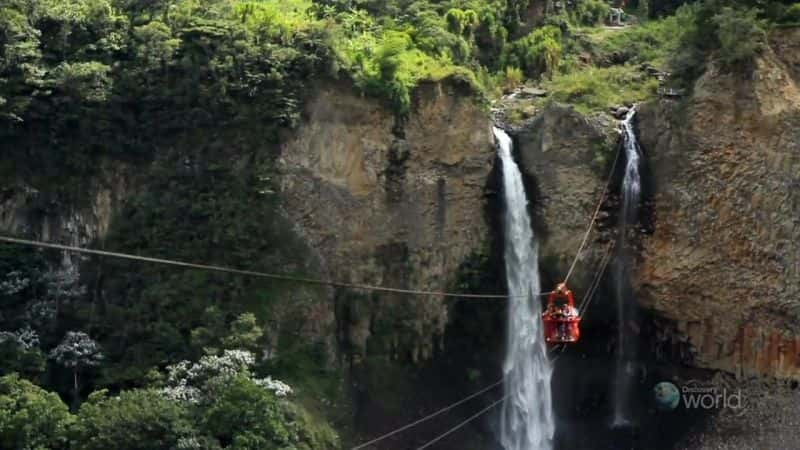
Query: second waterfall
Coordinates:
[626,343]
[526,421]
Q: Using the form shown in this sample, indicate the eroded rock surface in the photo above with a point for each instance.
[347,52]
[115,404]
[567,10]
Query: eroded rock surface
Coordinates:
[721,264]
[390,204]
[566,155]
[53,216]
[724,261]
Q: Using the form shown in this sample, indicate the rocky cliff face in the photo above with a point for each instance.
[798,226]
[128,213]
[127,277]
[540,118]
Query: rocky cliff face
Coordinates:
[54,215]
[721,266]
[381,202]
[388,203]
[566,157]
[724,261]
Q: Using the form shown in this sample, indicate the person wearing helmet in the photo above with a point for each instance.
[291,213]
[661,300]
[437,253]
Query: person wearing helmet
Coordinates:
[561,310]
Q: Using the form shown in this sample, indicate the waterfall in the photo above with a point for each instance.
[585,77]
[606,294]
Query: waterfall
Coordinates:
[626,348]
[526,420]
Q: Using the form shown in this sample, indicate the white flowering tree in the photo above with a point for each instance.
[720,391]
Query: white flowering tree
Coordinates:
[14,283]
[77,352]
[25,338]
[20,353]
[196,382]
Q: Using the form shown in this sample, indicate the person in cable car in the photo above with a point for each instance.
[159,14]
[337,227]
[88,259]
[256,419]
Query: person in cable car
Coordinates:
[561,318]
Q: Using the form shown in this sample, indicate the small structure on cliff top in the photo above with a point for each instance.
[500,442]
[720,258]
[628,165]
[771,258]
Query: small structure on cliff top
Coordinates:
[615,16]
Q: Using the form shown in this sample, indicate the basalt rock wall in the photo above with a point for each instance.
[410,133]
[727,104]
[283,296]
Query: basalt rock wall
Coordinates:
[717,260]
[724,263]
[377,200]
[390,202]
[565,158]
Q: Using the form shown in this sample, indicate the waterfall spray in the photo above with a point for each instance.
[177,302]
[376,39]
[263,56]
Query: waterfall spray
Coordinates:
[526,421]
[626,350]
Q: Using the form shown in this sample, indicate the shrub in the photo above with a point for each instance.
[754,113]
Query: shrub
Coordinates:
[460,22]
[30,417]
[512,77]
[792,14]
[245,416]
[594,89]
[87,81]
[135,419]
[538,53]
[19,353]
[591,12]
[741,34]
[653,41]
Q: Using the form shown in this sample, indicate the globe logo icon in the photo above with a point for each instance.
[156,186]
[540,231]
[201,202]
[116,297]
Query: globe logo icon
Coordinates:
[666,396]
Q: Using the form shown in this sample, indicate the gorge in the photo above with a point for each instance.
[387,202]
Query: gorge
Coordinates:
[457,147]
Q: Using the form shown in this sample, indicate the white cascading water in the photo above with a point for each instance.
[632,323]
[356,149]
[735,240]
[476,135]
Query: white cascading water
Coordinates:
[526,420]
[631,193]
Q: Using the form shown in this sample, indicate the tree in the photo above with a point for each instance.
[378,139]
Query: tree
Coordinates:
[77,352]
[155,46]
[741,34]
[85,81]
[538,53]
[197,382]
[19,352]
[792,14]
[135,420]
[244,333]
[21,69]
[244,416]
[30,417]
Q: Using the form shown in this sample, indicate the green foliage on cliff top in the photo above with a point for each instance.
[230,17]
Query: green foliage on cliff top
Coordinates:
[594,89]
[88,78]
[653,41]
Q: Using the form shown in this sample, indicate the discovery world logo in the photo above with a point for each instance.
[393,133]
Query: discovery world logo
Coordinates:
[698,395]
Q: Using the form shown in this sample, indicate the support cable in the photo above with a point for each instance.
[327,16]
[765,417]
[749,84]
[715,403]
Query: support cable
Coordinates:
[429,416]
[594,216]
[462,424]
[282,277]
[587,298]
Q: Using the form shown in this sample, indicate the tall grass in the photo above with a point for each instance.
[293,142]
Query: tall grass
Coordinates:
[595,89]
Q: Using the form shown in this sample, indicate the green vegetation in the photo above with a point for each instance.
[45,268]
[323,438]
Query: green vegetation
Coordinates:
[537,53]
[590,12]
[30,417]
[195,96]
[594,89]
[130,419]
[651,42]
[247,416]
[792,13]
[731,32]
[77,72]
[741,34]
[216,403]
[87,59]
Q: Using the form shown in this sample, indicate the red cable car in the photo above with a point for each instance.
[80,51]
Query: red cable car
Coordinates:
[561,318]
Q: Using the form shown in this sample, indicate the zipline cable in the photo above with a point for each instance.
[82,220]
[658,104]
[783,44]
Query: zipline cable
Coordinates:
[584,304]
[429,416]
[462,424]
[597,278]
[365,287]
[591,297]
[251,273]
[594,216]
